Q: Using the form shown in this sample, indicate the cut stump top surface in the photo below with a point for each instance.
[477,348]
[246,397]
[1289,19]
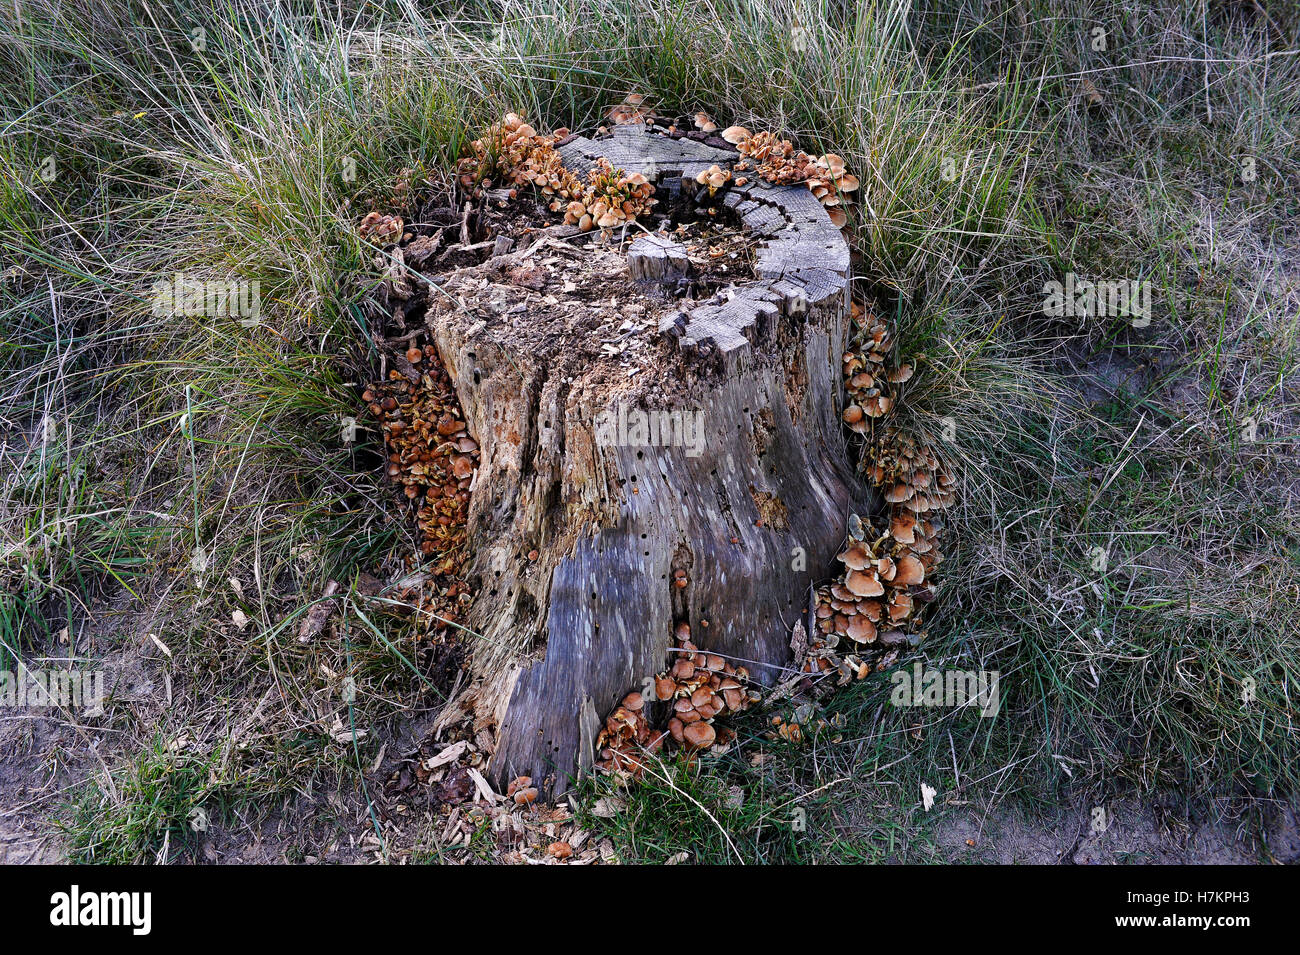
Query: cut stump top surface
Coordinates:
[802,262]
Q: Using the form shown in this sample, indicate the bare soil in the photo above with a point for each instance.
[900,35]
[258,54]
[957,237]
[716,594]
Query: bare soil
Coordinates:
[1135,833]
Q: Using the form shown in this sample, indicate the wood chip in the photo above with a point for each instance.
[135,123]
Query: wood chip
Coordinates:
[484,790]
[451,753]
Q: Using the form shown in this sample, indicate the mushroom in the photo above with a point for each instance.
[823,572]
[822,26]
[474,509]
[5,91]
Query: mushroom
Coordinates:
[735,134]
[861,629]
[863,584]
[855,557]
[682,670]
[898,493]
[877,406]
[380,229]
[893,638]
[422,427]
[664,688]
[918,503]
[699,735]
[677,729]
[870,609]
[834,163]
[902,527]
[910,571]
[900,605]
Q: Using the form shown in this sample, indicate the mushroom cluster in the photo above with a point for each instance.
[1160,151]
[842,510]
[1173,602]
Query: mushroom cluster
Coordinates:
[514,152]
[833,185]
[612,198]
[777,161]
[544,170]
[697,688]
[701,687]
[430,453]
[501,152]
[379,228]
[521,791]
[883,585]
[714,178]
[626,737]
[877,603]
[910,475]
[865,376]
[633,109]
[823,657]
[908,471]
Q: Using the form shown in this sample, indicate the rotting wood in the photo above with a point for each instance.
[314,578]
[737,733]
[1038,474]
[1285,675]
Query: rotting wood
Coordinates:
[656,258]
[589,614]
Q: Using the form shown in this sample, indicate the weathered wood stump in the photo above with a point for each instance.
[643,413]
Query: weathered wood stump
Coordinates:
[579,524]
[656,258]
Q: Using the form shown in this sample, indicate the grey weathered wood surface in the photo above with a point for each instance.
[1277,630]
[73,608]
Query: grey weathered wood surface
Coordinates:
[656,258]
[594,613]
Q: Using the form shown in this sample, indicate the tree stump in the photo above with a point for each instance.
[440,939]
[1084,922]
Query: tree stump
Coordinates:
[578,537]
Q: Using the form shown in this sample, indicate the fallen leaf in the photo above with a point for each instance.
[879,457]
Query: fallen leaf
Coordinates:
[608,806]
[348,429]
[319,614]
[161,646]
[927,796]
[343,734]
